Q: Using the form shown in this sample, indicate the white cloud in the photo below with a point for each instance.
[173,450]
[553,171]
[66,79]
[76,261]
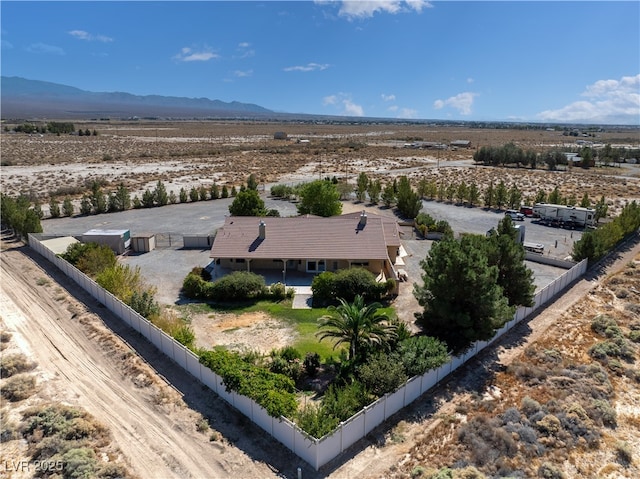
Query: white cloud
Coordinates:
[461,102]
[309,67]
[243,74]
[393,108]
[245,50]
[188,55]
[408,113]
[388,97]
[470,80]
[351,9]
[344,100]
[44,48]
[351,109]
[330,100]
[5,45]
[83,35]
[608,101]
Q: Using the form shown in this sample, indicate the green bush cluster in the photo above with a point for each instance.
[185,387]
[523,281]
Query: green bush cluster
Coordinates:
[19,215]
[347,284]
[237,286]
[426,224]
[274,392]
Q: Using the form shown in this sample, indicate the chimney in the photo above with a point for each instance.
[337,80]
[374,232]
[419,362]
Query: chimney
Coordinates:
[363,220]
[262,230]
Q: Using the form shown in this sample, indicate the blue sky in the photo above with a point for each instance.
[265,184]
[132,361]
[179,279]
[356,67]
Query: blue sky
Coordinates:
[520,61]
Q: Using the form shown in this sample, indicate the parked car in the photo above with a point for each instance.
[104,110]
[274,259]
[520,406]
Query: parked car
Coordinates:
[515,215]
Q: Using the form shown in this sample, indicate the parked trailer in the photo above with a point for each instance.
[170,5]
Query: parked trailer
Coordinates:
[565,216]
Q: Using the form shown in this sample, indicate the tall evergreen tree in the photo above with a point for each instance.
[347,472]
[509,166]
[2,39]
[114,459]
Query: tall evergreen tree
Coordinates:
[461,298]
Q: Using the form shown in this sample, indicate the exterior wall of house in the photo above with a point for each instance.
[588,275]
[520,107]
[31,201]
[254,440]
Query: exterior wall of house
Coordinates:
[375,266]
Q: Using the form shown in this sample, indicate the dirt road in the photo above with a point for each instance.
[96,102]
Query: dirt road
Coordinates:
[83,364]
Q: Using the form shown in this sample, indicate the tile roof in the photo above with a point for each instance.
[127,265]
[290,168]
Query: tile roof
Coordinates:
[302,237]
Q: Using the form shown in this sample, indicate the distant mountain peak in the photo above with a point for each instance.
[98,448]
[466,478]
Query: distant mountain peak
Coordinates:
[24,98]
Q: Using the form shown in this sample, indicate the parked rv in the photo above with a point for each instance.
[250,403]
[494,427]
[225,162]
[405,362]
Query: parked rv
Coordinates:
[565,216]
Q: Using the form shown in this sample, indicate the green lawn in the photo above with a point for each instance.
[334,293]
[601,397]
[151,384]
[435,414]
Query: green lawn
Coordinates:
[304,321]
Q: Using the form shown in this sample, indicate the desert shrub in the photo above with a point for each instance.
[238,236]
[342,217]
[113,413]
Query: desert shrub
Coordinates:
[11,364]
[624,452]
[634,336]
[550,471]
[282,191]
[381,374]
[486,439]
[79,463]
[602,412]
[632,307]
[419,354]
[530,406]
[19,387]
[617,347]
[606,326]
[549,425]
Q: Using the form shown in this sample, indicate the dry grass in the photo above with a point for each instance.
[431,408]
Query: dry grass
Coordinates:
[188,154]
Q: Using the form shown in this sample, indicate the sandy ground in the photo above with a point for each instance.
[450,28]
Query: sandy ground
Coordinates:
[84,364]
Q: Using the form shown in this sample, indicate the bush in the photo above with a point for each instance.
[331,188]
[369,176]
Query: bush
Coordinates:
[79,463]
[420,354]
[274,392]
[311,363]
[185,336]
[19,387]
[549,471]
[348,283]
[238,286]
[11,364]
[382,374]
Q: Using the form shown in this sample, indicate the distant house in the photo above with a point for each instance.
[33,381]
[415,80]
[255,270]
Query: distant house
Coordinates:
[309,244]
[280,135]
[460,144]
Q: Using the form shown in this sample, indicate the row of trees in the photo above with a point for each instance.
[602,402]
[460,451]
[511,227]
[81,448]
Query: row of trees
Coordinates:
[20,215]
[99,201]
[55,127]
[593,245]
[511,154]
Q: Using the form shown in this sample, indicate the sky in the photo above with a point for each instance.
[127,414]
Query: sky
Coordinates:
[543,61]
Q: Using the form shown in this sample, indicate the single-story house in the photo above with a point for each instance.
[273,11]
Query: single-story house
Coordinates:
[309,244]
[460,144]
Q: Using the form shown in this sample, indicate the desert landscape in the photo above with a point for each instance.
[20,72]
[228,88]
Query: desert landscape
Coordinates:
[425,437]
[187,154]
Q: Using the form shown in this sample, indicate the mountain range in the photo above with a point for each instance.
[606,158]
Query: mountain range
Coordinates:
[22,99]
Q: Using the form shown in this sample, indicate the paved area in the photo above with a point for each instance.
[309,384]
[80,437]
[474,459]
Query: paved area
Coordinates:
[166,267]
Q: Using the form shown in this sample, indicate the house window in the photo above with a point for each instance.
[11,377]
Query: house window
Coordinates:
[335,266]
[321,265]
[311,266]
[240,260]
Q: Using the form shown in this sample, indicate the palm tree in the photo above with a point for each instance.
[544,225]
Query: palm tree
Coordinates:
[359,325]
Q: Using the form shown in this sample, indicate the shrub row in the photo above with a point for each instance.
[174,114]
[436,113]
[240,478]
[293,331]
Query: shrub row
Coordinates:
[346,284]
[274,392]
[237,286]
